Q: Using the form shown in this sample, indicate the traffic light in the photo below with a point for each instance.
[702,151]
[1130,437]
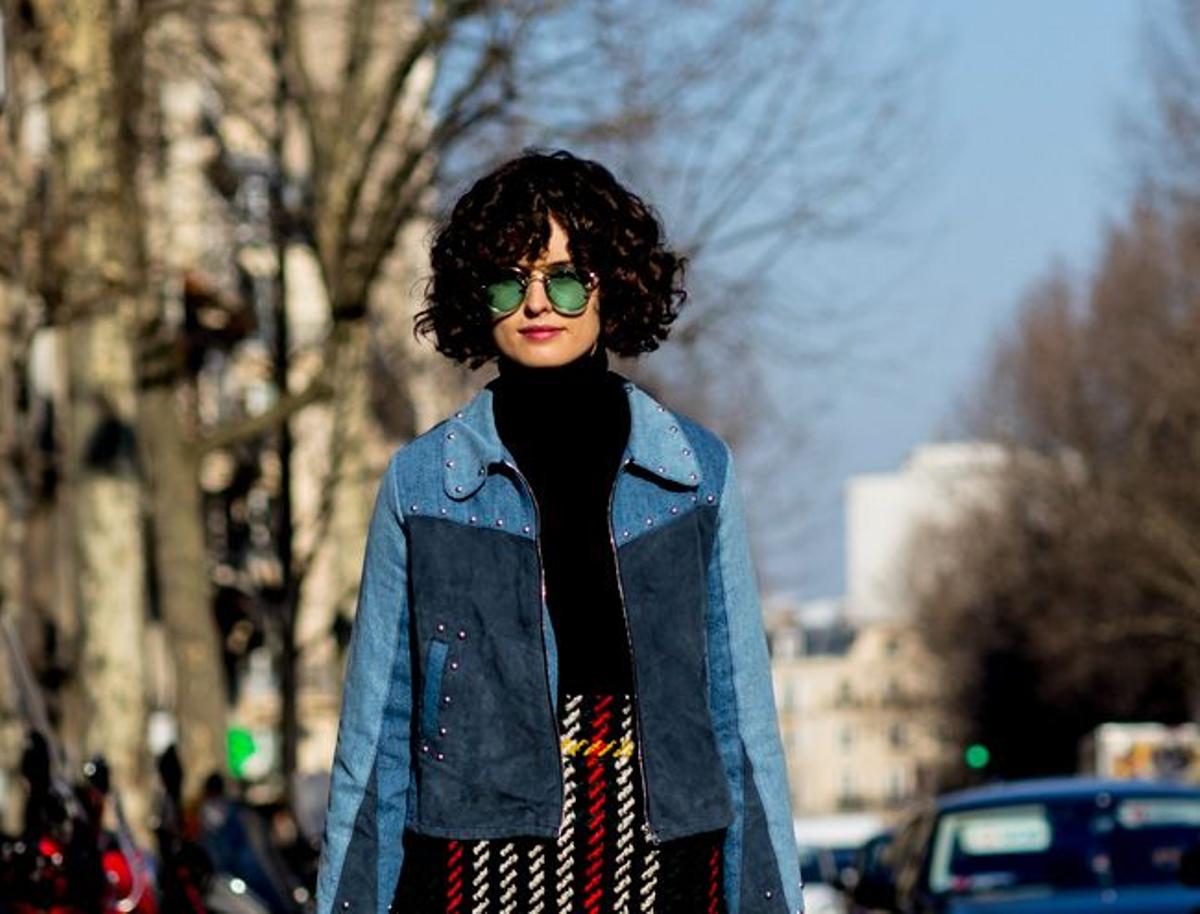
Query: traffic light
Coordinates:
[241,746]
[977,756]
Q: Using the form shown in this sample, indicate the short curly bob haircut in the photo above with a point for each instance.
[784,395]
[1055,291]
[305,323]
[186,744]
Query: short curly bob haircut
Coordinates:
[505,219]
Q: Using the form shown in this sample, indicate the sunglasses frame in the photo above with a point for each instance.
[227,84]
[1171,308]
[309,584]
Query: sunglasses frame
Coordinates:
[525,277]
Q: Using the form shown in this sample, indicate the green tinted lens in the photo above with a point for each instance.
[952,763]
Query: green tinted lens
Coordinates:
[505,296]
[567,293]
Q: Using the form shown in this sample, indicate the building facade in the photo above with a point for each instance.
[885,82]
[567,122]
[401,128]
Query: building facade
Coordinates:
[859,716]
[857,691]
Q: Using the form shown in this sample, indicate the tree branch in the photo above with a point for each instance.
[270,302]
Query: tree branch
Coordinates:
[319,388]
[351,162]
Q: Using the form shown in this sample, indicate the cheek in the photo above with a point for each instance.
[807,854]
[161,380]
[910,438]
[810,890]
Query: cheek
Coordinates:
[501,335]
[595,320]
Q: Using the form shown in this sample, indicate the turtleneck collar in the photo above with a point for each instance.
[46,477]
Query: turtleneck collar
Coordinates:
[579,377]
[581,399]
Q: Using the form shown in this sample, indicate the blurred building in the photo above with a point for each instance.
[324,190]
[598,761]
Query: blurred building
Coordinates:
[885,511]
[858,712]
[856,690]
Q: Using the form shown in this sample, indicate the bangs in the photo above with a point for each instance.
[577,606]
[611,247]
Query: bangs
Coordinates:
[512,234]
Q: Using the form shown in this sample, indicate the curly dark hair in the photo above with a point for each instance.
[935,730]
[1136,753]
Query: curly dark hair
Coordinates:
[505,218]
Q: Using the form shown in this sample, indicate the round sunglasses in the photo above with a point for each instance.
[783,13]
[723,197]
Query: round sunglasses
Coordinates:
[567,290]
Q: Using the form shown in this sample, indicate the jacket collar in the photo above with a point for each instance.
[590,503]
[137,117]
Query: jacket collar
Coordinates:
[657,443]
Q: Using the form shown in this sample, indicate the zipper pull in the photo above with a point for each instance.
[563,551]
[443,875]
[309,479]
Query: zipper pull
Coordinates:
[649,834]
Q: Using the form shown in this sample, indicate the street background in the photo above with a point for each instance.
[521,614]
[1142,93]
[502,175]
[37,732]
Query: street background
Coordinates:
[944,302]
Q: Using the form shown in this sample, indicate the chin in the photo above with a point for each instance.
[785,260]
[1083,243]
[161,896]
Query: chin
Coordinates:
[545,361]
[544,357]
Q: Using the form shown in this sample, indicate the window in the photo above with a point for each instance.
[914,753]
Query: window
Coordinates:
[1150,837]
[892,694]
[897,735]
[844,696]
[849,786]
[989,849]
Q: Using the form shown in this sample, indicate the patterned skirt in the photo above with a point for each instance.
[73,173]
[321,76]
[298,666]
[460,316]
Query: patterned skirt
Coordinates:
[601,863]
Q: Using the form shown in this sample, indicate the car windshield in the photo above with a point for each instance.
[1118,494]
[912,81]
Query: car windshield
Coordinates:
[1064,844]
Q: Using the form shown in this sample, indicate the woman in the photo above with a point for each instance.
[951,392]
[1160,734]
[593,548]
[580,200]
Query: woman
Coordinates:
[557,695]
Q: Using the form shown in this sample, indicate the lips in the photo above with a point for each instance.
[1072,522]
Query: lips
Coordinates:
[540,333]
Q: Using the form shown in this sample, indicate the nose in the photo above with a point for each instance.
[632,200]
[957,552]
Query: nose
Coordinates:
[535,295]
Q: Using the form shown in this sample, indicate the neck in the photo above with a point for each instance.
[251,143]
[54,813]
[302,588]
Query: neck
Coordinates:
[536,404]
[586,372]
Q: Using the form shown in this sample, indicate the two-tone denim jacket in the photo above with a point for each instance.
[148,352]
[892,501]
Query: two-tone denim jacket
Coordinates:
[449,716]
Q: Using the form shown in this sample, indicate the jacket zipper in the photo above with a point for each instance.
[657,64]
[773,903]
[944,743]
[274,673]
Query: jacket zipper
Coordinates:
[542,610]
[637,713]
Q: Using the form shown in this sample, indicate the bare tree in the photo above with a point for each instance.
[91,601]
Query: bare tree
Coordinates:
[1165,134]
[93,284]
[1039,632]
[88,270]
[1067,603]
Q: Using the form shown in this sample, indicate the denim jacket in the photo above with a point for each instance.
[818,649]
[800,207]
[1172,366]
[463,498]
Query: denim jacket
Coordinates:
[449,720]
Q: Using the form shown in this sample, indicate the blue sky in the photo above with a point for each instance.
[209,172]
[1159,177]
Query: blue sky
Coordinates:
[1027,168]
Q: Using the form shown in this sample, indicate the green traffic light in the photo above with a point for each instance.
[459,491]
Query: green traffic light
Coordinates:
[240,747]
[977,756]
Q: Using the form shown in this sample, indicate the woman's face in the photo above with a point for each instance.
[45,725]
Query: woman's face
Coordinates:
[563,338]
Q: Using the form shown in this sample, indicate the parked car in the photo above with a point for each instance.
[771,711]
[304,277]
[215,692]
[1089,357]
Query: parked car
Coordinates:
[819,873]
[873,887]
[1059,846]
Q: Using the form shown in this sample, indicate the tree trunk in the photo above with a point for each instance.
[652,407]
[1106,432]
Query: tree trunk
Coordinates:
[183,241]
[185,600]
[334,472]
[95,278]
[12,528]
[108,545]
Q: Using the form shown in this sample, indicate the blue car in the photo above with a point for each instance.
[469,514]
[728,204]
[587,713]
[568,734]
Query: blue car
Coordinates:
[1082,846]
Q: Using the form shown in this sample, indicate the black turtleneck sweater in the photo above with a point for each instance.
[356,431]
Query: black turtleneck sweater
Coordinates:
[567,427]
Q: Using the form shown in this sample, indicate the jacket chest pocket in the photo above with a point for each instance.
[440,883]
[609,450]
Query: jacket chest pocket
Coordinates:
[435,669]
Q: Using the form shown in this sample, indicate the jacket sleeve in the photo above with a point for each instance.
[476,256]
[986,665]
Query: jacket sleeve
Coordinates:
[761,848]
[361,850]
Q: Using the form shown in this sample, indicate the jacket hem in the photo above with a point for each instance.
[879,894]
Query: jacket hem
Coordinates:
[519,830]
[698,828]
[483,832]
